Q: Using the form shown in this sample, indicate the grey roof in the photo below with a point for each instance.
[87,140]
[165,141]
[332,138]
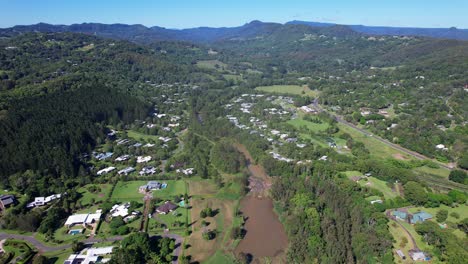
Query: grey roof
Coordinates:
[7,199]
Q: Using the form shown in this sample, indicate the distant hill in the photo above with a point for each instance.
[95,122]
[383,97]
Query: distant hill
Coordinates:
[447,33]
[142,34]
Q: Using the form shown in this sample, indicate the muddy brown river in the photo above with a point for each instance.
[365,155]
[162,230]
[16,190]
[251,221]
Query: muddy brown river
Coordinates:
[266,236]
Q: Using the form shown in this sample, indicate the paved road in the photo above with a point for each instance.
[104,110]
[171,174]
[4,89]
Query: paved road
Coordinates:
[386,142]
[45,248]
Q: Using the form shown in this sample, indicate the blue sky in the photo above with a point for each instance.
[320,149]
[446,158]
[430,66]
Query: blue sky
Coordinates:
[215,13]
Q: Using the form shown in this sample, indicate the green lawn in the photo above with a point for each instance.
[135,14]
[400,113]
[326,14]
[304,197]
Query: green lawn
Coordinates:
[128,191]
[18,248]
[220,257]
[376,148]
[288,89]
[462,210]
[62,234]
[398,234]
[230,191]
[98,196]
[373,183]
[211,64]
[173,188]
[441,171]
[169,219]
[59,256]
[314,127]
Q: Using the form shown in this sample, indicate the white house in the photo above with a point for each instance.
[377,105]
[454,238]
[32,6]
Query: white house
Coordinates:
[141,159]
[40,201]
[82,219]
[105,171]
[92,255]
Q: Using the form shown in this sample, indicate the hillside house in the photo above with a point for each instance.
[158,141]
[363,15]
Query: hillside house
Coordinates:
[40,201]
[7,200]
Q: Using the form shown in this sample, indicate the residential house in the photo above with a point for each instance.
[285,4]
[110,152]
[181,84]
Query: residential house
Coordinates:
[40,201]
[166,208]
[152,185]
[420,217]
[82,219]
[126,171]
[6,201]
[105,171]
[92,255]
[400,215]
[102,156]
[418,255]
[141,159]
[149,170]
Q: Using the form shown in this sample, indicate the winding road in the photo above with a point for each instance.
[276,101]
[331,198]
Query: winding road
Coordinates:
[340,119]
[45,248]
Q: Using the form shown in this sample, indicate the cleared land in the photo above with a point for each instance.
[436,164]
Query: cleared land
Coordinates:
[99,195]
[376,148]
[288,89]
[128,191]
[400,236]
[201,249]
[373,183]
[211,64]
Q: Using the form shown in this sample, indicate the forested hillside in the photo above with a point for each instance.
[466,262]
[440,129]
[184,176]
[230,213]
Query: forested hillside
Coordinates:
[58,94]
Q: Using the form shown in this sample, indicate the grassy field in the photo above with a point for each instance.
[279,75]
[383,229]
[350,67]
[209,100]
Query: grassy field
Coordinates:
[314,127]
[376,148]
[98,196]
[462,210]
[288,89]
[58,257]
[374,183]
[441,171]
[220,257]
[211,64]
[399,234]
[128,191]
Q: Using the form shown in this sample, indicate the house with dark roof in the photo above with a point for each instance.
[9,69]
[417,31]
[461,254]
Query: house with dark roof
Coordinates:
[166,208]
[6,201]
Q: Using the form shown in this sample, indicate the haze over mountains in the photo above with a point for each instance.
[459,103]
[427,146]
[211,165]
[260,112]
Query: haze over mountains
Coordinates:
[143,34]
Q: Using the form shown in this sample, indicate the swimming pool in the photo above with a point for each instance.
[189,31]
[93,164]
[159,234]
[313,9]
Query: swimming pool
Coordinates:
[75,231]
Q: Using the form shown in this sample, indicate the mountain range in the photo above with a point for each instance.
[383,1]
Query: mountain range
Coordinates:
[142,34]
